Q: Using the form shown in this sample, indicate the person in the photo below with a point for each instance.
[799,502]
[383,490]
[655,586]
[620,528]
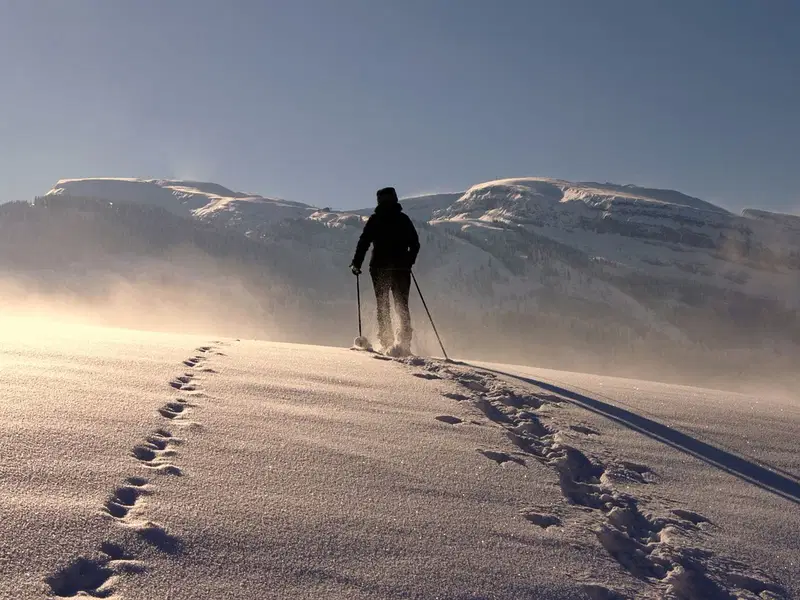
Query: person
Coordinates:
[395,246]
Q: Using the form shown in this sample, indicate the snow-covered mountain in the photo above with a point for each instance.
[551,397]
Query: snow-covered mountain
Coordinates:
[627,229]
[185,198]
[544,265]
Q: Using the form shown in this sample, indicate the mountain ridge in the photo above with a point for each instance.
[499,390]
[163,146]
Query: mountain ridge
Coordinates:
[183,190]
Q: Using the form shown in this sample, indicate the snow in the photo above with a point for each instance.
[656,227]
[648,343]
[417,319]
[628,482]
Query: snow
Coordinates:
[730,457]
[184,198]
[789,222]
[425,208]
[139,465]
[151,192]
[591,192]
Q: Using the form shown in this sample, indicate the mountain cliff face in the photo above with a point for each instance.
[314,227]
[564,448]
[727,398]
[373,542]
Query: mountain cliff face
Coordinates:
[533,265]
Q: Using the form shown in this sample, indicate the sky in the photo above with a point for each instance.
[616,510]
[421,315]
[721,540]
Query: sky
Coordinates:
[323,102]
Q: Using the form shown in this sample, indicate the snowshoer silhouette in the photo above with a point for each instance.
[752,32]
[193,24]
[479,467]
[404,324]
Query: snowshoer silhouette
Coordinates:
[395,245]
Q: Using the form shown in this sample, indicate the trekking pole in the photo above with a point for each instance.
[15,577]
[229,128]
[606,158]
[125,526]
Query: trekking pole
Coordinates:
[360,341]
[358,293]
[421,297]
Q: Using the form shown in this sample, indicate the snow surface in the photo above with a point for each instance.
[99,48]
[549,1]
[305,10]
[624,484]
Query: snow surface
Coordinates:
[593,193]
[184,198]
[789,222]
[138,465]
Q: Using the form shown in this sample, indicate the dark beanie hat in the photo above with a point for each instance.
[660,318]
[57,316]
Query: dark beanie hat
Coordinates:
[387,194]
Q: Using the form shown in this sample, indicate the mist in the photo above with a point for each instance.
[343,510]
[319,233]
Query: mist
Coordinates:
[190,295]
[512,296]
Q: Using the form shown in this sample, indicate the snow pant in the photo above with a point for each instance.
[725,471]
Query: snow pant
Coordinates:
[396,282]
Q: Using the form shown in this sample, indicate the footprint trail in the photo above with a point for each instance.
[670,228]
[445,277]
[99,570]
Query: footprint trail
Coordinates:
[657,544]
[98,576]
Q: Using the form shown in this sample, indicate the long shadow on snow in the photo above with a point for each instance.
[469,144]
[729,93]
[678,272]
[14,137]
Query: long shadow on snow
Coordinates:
[730,463]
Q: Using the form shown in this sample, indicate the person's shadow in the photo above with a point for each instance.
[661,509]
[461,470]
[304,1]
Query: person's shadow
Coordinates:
[786,485]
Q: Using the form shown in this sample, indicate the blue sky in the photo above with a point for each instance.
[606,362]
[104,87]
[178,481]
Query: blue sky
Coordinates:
[324,101]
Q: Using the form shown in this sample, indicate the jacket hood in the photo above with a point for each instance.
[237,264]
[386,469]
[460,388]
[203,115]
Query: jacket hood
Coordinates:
[387,206]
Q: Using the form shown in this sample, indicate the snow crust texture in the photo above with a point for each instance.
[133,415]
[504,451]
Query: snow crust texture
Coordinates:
[144,465]
[663,547]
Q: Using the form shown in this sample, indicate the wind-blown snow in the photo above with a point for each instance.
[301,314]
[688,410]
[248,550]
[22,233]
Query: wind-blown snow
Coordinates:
[139,465]
[605,276]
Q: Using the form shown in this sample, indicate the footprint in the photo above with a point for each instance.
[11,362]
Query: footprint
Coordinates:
[136,481]
[115,510]
[427,376]
[157,536]
[526,415]
[157,442]
[584,430]
[181,381]
[636,467]
[543,520]
[171,410]
[457,397]
[501,457]
[144,454]
[114,551]
[491,411]
[578,466]
[166,469]
[519,402]
[204,349]
[688,515]
[127,495]
[532,426]
[625,473]
[475,386]
[82,577]
[449,419]
[120,504]
[629,553]
[148,456]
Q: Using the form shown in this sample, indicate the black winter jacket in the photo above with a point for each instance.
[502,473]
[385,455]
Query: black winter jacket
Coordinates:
[394,239]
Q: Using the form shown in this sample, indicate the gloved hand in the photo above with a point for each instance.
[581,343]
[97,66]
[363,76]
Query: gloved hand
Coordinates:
[356,270]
